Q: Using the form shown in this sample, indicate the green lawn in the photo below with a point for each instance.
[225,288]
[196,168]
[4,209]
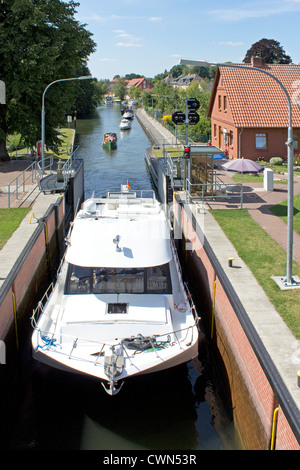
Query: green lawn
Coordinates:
[10,220]
[265,258]
[66,138]
[281,211]
[248,178]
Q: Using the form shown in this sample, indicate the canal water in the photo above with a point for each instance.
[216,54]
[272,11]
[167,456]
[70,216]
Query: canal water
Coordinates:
[178,409]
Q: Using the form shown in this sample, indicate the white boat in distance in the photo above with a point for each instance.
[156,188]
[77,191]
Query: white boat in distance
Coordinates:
[125,124]
[127,113]
[119,307]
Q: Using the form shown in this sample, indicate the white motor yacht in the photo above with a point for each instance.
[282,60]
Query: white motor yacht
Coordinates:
[119,307]
[125,124]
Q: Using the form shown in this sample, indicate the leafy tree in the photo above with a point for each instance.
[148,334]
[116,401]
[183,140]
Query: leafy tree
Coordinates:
[40,41]
[270,51]
[91,94]
[119,88]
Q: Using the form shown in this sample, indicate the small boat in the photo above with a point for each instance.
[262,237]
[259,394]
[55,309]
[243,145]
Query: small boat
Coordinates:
[127,113]
[119,307]
[110,140]
[108,101]
[125,124]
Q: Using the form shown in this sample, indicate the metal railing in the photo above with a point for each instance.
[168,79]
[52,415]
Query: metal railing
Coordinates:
[20,182]
[215,190]
[49,164]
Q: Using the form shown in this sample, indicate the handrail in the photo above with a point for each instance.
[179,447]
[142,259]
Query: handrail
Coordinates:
[33,169]
[66,169]
[214,187]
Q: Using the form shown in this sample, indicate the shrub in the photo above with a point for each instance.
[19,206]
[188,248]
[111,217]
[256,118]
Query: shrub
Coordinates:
[276,161]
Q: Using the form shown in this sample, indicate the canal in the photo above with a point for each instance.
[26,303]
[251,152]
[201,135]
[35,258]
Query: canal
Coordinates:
[178,409]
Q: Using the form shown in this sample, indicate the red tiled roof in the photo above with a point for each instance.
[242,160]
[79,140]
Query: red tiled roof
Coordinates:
[134,81]
[256,99]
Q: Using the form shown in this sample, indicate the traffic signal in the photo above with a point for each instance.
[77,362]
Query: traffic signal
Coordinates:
[187,152]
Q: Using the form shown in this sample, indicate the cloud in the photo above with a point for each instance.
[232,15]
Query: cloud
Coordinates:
[228,43]
[155,18]
[108,59]
[128,44]
[129,39]
[255,10]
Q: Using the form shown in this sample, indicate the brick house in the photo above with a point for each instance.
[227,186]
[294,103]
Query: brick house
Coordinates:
[139,83]
[249,110]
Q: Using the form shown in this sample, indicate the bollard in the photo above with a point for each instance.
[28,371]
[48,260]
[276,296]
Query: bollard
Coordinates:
[298,379]
[60,177]
[230,262]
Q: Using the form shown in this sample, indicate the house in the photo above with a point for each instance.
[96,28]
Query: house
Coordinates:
[183,81]
[249,110]
[139,83]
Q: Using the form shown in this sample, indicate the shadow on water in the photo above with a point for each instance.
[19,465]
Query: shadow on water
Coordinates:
[177,409]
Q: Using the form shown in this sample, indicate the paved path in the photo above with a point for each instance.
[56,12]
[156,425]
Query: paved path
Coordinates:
[8,172]
[258,202]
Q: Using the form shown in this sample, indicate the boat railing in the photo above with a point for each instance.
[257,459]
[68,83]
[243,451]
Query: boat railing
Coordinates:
[132,196]
[186,288]
[41,305]
[49,340]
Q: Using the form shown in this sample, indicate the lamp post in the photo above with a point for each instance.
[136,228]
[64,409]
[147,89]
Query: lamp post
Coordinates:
[290,152]
[43,111]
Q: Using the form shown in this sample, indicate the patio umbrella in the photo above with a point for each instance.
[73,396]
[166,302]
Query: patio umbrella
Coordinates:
[242,165]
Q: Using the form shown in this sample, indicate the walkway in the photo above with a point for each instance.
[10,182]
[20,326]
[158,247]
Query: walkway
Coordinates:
[8,172]
[258,202]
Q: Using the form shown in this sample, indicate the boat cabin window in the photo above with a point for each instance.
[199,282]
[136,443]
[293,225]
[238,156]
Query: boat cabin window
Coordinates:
[85,280]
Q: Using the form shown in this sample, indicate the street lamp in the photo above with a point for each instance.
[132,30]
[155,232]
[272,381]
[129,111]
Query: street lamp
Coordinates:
[43,111]
[290,282]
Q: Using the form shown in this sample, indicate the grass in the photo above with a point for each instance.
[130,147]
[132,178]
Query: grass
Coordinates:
[281,211]
[10,220]
[265,258]
[174,152]
[66,137]
[248,178]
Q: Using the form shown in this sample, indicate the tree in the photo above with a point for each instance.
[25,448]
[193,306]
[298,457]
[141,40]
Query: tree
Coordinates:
[91,94]
[40,41]
[119,88]
[270,51]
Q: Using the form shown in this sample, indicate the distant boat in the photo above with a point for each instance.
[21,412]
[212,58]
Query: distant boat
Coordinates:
[108,101]
[125,124]
[110,140]
[127,113]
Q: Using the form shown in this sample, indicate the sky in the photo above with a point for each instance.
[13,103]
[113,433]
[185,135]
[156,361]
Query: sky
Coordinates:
[147,37]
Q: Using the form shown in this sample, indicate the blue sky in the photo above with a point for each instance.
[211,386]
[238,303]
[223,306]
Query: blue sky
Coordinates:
[148,37]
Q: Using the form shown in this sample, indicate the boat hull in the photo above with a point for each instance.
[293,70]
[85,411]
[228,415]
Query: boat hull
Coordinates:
[110,145]
[79,367]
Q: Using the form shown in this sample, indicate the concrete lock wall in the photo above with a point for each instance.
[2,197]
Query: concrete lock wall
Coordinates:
[22,289]
[252,393]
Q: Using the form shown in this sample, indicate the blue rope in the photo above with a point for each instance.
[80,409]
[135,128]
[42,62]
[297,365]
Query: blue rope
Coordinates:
[48,342]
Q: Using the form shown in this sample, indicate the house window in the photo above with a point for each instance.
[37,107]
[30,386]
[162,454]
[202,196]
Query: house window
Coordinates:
[220,102]
[295,141]
[261,141]
[225,103]
[215,130]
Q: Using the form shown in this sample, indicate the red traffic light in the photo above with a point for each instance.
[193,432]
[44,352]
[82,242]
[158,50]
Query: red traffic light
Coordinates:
[187,151]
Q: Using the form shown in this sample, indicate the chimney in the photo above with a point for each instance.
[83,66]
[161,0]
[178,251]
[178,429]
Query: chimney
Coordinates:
[257,61]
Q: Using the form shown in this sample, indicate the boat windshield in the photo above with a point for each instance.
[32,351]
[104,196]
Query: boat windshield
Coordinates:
[86,280]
